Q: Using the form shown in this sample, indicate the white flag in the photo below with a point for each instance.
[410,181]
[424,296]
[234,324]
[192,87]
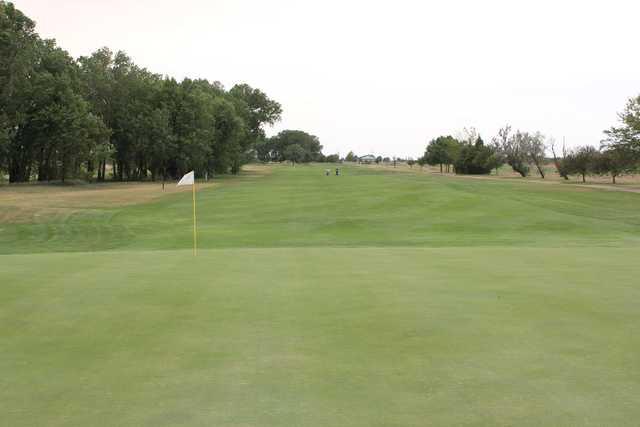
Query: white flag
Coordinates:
[186,180]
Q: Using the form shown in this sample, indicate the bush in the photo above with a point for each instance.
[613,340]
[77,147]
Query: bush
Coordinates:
[476,159]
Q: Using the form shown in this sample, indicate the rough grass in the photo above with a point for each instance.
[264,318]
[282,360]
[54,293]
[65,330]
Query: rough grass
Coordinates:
[27,203]
[375,298]
[505,172]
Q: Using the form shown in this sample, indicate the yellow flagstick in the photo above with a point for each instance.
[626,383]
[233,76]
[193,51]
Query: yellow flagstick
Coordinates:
[195,233]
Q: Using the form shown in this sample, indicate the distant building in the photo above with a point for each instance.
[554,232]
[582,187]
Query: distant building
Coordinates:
[369,158]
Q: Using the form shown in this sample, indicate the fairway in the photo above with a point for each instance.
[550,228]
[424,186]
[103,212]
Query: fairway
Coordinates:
[379,297]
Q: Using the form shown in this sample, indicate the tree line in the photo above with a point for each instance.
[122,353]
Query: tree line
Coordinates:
[63,118]
[619,153]
[103,115]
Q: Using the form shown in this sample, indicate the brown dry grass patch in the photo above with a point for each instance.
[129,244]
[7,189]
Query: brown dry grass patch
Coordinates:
[627,183]
[36,202]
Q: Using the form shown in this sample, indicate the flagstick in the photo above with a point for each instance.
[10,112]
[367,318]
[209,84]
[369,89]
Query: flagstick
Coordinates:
[195,234]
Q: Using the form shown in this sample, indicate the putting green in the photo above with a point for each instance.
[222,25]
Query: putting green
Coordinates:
[370,299]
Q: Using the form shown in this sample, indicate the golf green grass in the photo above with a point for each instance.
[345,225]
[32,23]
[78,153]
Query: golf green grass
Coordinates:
[374,298]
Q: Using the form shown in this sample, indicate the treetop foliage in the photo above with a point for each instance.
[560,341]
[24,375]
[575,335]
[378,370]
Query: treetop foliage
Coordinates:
[291,145]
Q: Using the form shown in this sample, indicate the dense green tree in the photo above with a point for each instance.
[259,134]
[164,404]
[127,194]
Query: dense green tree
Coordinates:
[332,158]
[229,133]
[4,146]
[582,161]
[442,151]
[475,158]
[294,153]
[310,144]
[157,141]
[97,88]
[18,55]
[627,135]
[55,131]
[256,109]
[63,118]
[615,161]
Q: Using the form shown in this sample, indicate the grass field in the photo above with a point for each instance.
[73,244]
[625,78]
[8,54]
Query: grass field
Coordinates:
[376,298]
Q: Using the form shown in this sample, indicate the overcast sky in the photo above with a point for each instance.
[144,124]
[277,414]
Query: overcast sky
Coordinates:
[383,76]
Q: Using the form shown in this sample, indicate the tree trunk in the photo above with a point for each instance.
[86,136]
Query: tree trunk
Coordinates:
[583,178]
[41,168]
[558,166]
[18,167]
[64,169]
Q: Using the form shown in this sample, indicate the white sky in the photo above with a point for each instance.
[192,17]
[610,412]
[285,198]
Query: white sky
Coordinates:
[383,76]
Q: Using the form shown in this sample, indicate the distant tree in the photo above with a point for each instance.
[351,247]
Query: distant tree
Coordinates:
[582,161]
[536,150]
[351,157]
[411,162]
[332,158]
[264,148]
[442,151]
[559,161]
[476,158]
[436,153]
[386,160]
[628,134]
[498,157]
[514,149]
[615,161]
[294,153]
[310,144]
[378,160]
